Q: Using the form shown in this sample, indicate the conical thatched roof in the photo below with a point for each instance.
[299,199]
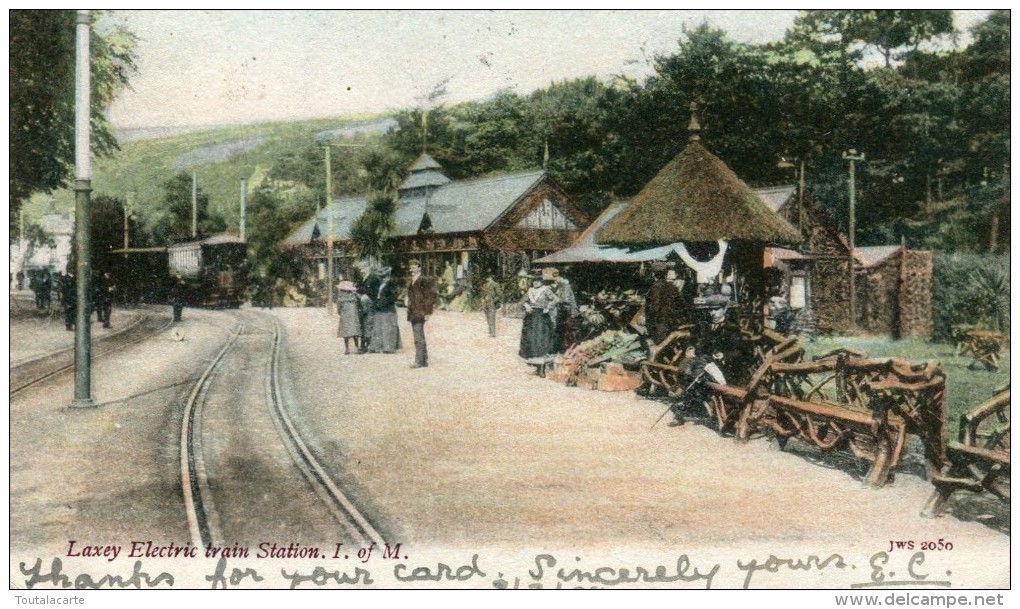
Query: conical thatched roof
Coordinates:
[696,197]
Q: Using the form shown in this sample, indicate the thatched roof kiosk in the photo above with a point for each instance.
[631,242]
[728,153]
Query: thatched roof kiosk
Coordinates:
[696,199]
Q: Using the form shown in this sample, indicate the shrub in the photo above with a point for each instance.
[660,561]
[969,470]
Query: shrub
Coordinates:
[970,290]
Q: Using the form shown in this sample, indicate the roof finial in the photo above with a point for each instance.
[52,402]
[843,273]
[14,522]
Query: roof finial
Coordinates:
[694,127]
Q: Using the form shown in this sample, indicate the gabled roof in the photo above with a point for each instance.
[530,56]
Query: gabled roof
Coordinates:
[456,207]
[875,254]
[776,196]
[343,212]
[585,248]
[696,198]
[425,161]
[467,205]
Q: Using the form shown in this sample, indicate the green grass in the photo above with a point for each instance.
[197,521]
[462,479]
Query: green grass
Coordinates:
[966,389]
[144,166]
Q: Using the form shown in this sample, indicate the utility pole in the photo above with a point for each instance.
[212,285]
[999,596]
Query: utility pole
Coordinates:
[852,156]
[82,208]
[129,205]
[800,197]
[329,265]
[329,241]
[194,205]
[244,207]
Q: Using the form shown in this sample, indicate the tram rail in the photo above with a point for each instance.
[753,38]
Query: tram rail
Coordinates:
[39,369]
[204,520]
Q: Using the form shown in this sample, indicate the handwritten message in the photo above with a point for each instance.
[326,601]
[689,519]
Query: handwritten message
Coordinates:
[293,566]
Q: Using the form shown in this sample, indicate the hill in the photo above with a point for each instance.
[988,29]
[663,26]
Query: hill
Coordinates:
[220,157]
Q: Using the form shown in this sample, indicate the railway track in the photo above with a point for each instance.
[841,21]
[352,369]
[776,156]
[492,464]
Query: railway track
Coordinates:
[35,371]
[202,474]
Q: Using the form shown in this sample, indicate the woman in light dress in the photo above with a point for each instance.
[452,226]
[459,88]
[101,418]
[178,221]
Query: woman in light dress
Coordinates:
[348,307]
[538,332]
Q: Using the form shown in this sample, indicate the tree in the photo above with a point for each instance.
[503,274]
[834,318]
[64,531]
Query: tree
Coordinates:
[106,218]
[175,226]
[895,34]
[42,89]
[272,215]
[372,229]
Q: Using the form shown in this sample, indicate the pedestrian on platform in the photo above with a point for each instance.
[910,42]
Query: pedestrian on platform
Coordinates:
[178,296]
[69,298]
[103,297]
[538,333]
[490,298]
[43,290]
[385,332]
[568,315]
[421,301]
[664,307]
[348,307]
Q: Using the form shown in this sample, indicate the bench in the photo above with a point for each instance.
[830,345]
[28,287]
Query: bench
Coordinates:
[842,400]
[979,460]
[984,346]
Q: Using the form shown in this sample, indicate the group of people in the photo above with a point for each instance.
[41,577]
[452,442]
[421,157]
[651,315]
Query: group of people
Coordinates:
[368,314]
[551,319]
[101,301]
[715,344]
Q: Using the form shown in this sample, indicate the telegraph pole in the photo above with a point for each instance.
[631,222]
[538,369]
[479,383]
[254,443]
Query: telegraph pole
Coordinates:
[129,205]
[852,156]
[329,242]
[82,207]
[244,206]
[194,205]
[800,197]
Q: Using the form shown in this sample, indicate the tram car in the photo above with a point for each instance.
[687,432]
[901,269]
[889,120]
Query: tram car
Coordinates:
[142,275]
[215,269]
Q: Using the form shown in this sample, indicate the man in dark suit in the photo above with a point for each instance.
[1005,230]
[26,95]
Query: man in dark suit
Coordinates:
[421,300]
[103,290]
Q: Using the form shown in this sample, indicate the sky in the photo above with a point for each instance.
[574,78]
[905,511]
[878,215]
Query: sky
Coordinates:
[209,67]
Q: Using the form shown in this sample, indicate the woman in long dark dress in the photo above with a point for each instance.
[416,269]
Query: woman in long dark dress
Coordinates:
[385,332]
[538,333]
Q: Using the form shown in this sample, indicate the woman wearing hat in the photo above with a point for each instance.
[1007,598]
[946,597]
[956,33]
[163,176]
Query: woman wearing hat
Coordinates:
[385,332]
[348,308]
[538,334]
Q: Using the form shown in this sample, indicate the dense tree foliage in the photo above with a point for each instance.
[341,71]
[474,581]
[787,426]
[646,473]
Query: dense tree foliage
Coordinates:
[931,120]
[176,225]
[42,87]
[383,175]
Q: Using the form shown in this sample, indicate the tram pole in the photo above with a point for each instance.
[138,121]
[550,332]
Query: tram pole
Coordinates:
[853,157]
[82,208]
[329,242]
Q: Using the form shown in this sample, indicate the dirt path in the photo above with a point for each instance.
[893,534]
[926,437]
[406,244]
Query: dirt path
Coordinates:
[475,451]
[475,456]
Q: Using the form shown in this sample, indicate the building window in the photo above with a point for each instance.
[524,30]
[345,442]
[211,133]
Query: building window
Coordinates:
[798,292]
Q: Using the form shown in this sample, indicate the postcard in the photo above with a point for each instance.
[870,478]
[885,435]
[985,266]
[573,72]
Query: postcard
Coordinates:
[418,300]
